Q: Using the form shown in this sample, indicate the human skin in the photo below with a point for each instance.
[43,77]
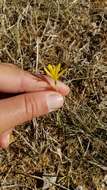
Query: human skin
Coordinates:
[28,96]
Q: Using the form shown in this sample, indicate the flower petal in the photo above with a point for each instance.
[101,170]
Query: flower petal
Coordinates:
[58,67]
[50,68]
[61,73]
[48,73]
[54,71]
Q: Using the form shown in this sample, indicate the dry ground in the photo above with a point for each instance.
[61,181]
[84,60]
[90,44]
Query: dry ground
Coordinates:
[66,149]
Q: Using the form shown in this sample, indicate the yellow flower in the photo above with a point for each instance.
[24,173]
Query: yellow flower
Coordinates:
[54,71]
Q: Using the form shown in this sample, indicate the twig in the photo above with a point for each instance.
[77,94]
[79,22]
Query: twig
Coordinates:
[40,178]
[37,56]
[5,186]
[32,148]
[100,166]
[85,78]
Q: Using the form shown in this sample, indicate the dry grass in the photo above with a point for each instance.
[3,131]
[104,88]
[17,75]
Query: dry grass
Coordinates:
[66,149]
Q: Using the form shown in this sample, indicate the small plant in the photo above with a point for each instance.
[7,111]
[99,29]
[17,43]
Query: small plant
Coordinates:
[55,72]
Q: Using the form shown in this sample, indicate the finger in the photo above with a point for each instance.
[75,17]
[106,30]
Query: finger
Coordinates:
[22,108]
[58,86]
[15,80]
[5,138]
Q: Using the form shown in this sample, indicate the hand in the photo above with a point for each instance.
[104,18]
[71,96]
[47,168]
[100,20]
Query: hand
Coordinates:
[30,97]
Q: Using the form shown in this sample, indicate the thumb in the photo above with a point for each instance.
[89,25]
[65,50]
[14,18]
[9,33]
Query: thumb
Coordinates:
[19,109]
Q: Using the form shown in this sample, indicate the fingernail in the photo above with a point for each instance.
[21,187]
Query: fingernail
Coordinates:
[54,102]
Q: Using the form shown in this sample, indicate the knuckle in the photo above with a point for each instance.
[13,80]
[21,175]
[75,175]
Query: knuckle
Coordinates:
[35,105]
[29,106]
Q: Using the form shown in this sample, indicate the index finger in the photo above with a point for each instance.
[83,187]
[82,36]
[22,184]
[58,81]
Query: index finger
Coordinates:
[57,86]
[15,80]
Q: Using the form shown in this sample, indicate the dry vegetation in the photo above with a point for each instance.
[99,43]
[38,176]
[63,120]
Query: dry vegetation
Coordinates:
[67,149]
